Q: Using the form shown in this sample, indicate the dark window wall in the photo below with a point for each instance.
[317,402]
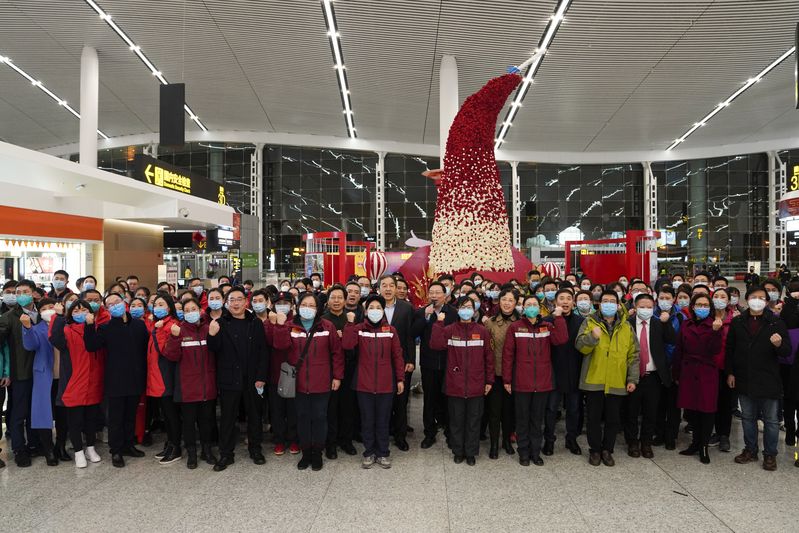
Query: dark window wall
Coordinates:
[410,199]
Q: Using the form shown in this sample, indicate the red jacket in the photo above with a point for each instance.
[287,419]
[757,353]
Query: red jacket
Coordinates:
[325,359]
[160,370]
[470,360]
[280,345]
[380,359]
[527,355]
[195,379]
[82,373]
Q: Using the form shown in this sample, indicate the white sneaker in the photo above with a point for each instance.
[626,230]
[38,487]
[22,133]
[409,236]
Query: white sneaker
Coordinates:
[91,454]
[80,460]
[368,462]
[383,462]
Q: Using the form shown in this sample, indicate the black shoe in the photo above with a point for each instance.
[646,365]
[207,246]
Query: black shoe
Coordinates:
[594,459]
[207,454]
[402,445]
[175,454]
[117,460]
[573,447]
[409,429]
[607,458]
[191,462]
[671,445]
[493,452]
[331,453]
[508,447]
[548,449]
[163,453]
[305,461]
[693,449]
[471,461]
[349,449]
[427,442]
[704,455]
[316,460]
[257,457]
[61,452]
[23,459]
[132,451]
[147,440]
[537,461]
[51,459]
[223,463]
[458,459]
[658,441]
[524,461]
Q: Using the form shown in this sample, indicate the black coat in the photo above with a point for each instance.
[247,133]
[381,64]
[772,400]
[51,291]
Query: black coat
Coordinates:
[566,359]
[126,359]
[660,335]
[423,327]
[403,320]
[235,369]
[752,359]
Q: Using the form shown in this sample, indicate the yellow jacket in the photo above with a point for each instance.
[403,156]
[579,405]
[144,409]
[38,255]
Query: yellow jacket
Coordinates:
[611,361]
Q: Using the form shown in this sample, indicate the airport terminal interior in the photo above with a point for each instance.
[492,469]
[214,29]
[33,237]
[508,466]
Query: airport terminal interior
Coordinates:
[407,265]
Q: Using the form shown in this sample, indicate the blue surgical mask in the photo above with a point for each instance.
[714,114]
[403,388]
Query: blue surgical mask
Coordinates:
[644,313]
[198,290]
[702,312]
[79,318]
[192,317]
[95,306]
[550,295]
[465,313]
[608,309]
[682,304]
[150,308]
[10,299]
[179,314]
[137,312]
[88,286]
[24,300]
[477,306]
[215,305]
[59,284]
[365,292]
[531,311]
[374,315]
[492,294]
[534,284]
[117,310]
[160,312]
[719,304]
[307,313]
[283,308]
[584,306]
[665,305]
[540,296]
[259,307]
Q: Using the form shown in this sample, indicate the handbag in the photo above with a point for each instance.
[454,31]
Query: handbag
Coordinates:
[287,384]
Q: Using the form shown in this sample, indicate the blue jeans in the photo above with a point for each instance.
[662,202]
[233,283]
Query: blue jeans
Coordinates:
[21,392]
[751,408]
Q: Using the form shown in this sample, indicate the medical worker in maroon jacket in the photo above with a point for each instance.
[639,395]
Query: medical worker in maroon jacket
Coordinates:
[379,375]
[468,378]
[528,373]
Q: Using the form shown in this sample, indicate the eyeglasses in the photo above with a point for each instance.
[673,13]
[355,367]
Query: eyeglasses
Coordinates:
[236,300]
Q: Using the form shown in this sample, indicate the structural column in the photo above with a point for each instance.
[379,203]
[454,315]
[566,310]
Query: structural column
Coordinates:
[256,206]
[448,100]
[650,197]
[697,210]
[380,202]
[772,207]
[89,98]
[516,207]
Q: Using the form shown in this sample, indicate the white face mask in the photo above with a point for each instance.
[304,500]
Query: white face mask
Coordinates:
[757,305]
[317,284]
[585,286]
[733,300]
[47,314]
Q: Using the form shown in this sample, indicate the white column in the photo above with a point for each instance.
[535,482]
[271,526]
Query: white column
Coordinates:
[516,206]
[380,202]
[772,207]
[650,197]
[89,97]
[256,205]
[447,100]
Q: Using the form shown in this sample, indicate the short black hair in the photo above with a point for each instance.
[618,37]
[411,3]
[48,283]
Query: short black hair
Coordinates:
[666,289]
[436,283]
[237,288]
[533,273]
[443,277]
[610,293]
[26,283]
[10,284]
[644,296]
[62,272]
[756,288]
[386,276]
[338,287]
[703,273]
[133,276]
[773,282]
[565,290]
[248,282]
[192,279]
[317,274]
[45,301]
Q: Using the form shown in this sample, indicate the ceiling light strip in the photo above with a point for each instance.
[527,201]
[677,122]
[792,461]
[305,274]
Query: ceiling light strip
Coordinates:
[543,45]
[338,64]
[720,106]
[136,49]
[36,83]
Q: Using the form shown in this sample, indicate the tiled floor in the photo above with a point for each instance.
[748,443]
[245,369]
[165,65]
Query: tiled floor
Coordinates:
[423,492]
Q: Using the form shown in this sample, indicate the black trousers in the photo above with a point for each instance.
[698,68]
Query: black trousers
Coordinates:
[22,436]
[60,416]
[500,411]
[399,415]
[83,421]
[703,426]
[195,414]
[122,422]
[599,405]
[312,419]
[530,410]
[464,425]
[643,402]
[230,400]
[669,415]
[789,405]
[723,418]
[574,407]
[434,411]
[375,419]
[45,440]
[283,417]
[171,413]
[342,410]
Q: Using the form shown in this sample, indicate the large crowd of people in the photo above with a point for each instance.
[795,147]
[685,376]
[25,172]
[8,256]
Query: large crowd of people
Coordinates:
[327,367]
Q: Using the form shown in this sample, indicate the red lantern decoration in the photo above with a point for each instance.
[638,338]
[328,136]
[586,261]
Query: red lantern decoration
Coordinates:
[377,264]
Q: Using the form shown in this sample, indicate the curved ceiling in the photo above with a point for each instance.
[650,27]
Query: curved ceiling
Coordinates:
[620,76]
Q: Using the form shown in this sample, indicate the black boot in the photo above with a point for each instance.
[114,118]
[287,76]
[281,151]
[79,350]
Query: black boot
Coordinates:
[693,449]
[493,452]
[704,455]
[316,460]
[191,463]
[207,454]
[61,452]
[507,446]
[305,462]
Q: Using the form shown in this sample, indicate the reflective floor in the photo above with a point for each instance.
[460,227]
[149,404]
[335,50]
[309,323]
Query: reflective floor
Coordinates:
[424,491]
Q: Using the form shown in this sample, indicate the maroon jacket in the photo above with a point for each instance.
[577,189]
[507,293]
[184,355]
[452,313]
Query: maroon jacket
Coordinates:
[527,354]
[380,358]
[695,367]
[280,349]
[195,379]
[470,359]
[325,359]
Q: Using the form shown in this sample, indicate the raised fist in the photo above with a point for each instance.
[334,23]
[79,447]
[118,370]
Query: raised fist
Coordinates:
[429,310]
[717,324]
[213,328]
[281,319]
[158,324]
[484,319]
[25,320]
[90,318]
[273,318]
[596,332]
[59,308]
[350,317]
[558,311]
[175,330]
[442,317]
[664,317]
[776,340]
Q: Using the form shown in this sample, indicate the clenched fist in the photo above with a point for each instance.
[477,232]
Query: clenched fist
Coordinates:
[25,320]
[90,318]
[213,328]
[281,319]
[158,324]
[351,317]
[558,311]
[776,340]
[664,317]
[273,318]
[484,319]
[717,324]
[175,330]
[59,308]
[596,332]
[442,317]
[429,310]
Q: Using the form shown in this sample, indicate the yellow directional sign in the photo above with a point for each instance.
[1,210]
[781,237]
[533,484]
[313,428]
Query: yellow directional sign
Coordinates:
[166,176]
[148,173]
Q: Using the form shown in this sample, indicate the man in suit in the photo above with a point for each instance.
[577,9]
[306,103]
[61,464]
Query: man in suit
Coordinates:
[653,334]
[399,314]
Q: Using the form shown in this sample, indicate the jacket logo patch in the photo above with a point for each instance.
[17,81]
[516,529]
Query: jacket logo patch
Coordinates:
[475,336]
[523,330]
[386,328]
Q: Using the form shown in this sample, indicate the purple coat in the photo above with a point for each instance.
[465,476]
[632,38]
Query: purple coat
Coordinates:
[695,366]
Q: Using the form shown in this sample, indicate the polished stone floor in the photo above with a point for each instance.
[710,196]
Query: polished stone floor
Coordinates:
[424,491]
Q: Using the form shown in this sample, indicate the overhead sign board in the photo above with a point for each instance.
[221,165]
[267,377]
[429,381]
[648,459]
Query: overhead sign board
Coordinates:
[166,176]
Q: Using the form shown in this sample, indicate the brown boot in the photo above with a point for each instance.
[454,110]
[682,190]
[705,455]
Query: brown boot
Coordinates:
[594,459]
[634,449]
[769,463]
[607,458]
[745,457]
[646,451]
